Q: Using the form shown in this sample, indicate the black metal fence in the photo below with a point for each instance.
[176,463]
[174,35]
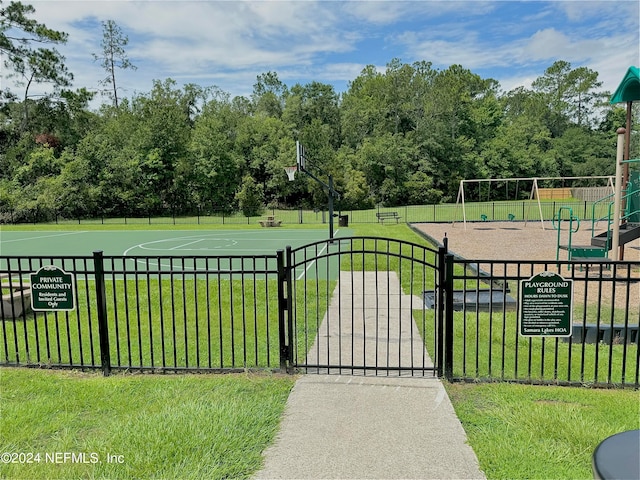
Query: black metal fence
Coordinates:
[231,313]
[473,211]
[357,308]
[147,313]
[483,311]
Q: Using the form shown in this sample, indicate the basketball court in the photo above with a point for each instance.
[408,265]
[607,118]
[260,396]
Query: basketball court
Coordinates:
[167,249]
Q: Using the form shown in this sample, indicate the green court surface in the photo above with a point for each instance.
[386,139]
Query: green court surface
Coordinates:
[163,243]
[156,242]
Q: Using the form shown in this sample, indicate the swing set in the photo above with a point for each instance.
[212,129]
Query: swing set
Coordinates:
[534,193]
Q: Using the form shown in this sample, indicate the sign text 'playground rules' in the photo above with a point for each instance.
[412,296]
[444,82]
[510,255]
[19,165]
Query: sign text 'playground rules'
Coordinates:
[546,306]
[52,289]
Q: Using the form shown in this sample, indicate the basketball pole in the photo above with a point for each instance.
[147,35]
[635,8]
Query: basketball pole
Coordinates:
[331,193]
[301,161]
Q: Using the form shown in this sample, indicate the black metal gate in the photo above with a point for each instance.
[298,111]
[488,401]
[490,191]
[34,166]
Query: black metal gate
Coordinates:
[357,306]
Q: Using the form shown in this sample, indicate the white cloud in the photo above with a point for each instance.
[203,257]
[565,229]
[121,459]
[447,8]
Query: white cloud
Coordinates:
[578,11]
[550,44]
[509,83]
[594,45]
[385,12]
[228,43]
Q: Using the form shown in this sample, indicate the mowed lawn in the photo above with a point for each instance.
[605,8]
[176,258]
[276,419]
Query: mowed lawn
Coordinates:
[71,425]
[217,426]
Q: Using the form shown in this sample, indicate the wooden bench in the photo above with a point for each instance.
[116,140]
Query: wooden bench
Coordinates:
[382,216]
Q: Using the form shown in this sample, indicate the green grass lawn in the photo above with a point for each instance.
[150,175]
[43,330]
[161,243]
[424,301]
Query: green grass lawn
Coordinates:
[489,347]
[152,426]
[540,432]
[226,324]
[217,426]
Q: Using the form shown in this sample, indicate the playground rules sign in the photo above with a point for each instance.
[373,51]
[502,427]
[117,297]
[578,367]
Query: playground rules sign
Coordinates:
[546,306]
[52,289]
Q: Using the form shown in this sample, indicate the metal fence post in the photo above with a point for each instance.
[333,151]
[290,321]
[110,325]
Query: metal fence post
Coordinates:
[290,306]
[282,308]
[101,301]
[442,252]
[448,317]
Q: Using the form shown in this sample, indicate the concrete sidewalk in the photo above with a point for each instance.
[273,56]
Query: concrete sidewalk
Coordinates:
[369,322]
[364,426]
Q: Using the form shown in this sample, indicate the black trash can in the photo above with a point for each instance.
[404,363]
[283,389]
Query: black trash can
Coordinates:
[343,220]
[617,456]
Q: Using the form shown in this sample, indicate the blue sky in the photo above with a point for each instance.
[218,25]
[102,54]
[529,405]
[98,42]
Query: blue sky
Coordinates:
[229,43]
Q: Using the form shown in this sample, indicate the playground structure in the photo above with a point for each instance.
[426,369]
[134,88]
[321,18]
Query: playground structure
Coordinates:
[622,219]
[536,193]
[622,206]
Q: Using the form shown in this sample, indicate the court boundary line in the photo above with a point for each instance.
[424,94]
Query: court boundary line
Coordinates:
[304,271]
[42,236]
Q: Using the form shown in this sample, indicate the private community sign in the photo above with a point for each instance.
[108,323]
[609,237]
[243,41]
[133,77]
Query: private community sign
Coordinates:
[546,306]
[52,289]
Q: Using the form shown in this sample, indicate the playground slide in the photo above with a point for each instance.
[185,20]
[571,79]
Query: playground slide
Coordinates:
[628,233]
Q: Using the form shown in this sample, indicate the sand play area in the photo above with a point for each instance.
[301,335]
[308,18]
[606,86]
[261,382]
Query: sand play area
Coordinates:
[529,241]
[512,240]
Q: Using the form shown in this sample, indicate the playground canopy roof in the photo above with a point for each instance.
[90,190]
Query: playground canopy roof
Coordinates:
[629,88]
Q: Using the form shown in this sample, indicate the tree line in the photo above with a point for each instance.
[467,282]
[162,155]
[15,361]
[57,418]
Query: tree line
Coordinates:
[405,136]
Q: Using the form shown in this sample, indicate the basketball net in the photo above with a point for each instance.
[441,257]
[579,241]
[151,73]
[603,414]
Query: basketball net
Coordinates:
[291,171]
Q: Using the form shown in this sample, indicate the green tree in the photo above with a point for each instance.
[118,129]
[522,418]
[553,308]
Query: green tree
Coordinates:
[572,96]
[250,197]
[213,175]
[19,33]
[162,142]
[41,163]
[269,95]
[388,162]
[79,195]
[37,192]
[313,102]
[114,56]
[361,108]
[519,148]
[267,146]
[357,194]
[8,199]
[108,167]
[390,102]
[461,112]
[352,182]
[420,189]
[582,152]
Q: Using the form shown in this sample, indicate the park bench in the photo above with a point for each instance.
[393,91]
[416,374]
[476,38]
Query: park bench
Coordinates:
[382,216]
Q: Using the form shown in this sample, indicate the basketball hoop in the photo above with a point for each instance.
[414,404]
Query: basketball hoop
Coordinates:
[291,171]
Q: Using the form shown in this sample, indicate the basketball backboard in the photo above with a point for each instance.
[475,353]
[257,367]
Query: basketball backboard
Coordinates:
[301,158]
